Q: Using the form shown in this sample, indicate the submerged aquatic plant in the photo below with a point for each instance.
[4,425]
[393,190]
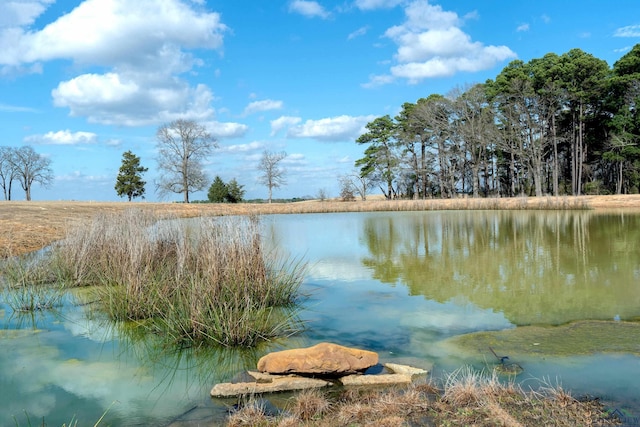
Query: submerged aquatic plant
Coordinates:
[27,284]
[192,281]
[33,298]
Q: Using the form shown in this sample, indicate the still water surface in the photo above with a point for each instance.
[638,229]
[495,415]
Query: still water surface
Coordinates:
[397,283]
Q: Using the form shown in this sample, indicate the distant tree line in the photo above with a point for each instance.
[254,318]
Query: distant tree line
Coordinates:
[183,148]
[24,166]
[561,124]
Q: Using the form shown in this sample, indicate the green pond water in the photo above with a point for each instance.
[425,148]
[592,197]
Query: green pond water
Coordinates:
[558,292]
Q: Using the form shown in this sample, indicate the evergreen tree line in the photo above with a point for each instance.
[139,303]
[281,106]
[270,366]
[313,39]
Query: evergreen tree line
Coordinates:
[561,124]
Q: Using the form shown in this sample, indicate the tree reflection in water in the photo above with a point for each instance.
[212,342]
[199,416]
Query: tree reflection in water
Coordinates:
[541,267]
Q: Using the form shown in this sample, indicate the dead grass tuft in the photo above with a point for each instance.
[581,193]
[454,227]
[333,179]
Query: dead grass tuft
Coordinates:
[390,421]
[250,414]
[467,397]
[356,413]
[310,404]
[464,387]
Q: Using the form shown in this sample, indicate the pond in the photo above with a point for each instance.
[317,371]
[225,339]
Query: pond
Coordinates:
[417,287]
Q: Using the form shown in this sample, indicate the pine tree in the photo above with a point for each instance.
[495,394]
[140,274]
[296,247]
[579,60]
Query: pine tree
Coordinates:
[129,181]
[235,191]
[218,191]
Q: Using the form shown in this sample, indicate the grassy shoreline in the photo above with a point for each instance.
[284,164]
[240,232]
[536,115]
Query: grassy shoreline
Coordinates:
[29,226]
[465,398]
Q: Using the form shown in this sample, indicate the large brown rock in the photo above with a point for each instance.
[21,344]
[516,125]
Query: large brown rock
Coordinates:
[321,359]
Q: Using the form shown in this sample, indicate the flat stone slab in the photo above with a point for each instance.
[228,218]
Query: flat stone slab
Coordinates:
[373,380]
[263,377]
[279,384]
[405,369]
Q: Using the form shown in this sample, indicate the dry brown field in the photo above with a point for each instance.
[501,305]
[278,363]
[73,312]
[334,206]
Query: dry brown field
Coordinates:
[29,226]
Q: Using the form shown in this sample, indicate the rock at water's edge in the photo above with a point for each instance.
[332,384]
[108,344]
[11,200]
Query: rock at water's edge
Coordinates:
[276,385]
[404,369]
[321,359]
[373,380]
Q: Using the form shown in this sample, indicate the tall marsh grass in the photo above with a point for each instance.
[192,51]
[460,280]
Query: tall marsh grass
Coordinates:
[192,281]
[374,204]
[461,203]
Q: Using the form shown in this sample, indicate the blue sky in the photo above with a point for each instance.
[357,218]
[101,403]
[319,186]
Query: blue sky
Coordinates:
[84,81]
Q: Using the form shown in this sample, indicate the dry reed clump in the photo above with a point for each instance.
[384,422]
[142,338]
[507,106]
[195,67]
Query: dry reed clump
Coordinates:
[197,280]
[250,414]
[467,397]
[309,405]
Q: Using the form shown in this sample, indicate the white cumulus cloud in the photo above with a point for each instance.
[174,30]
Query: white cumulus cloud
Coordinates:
[282,122]
[116,99]
[227,130]
[63,137]
[109,32]
[141,47]
[340,128]
[628,31]
[264,105]
[431,44]
[23,12]
[244,148]
[309,9]
[357,33]
[377,4]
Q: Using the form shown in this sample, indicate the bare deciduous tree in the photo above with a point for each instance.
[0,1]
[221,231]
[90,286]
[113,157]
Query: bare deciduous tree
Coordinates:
[30,167]
[346,188]
[7,171]
[273,176]
[361,185]
[358,184]
[322,194]
[182,146]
